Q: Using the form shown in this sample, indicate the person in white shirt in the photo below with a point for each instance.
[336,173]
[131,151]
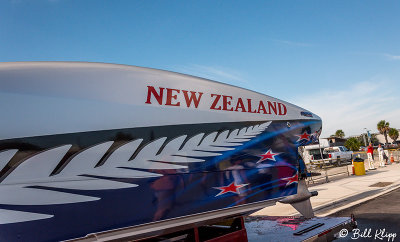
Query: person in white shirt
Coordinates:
[380,153]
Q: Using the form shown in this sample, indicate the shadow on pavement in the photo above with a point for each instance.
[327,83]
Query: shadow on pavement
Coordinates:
[381,215]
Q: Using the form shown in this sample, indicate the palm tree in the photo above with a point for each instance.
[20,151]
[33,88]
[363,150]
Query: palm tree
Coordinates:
[339,133]
[393,134]
[383,128]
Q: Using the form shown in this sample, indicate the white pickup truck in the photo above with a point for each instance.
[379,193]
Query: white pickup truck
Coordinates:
[339,154]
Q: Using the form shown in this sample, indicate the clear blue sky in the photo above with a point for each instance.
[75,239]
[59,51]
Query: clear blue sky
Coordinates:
[336,58]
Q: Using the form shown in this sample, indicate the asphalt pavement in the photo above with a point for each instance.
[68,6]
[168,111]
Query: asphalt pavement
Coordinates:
[377,218]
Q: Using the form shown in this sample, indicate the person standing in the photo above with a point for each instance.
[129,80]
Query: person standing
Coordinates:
[370,155]
[386,156]
[381,158]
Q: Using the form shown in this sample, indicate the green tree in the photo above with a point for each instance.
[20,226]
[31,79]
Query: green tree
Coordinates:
[352,144]
[361,139]
[339,133]
[383,128]
[374,140]
[393,134]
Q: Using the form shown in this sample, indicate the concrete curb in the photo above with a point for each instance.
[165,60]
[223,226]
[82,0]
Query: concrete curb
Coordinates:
[357,202]
[364,197]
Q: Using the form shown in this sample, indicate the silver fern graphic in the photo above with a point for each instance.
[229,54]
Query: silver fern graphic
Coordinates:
[27,183]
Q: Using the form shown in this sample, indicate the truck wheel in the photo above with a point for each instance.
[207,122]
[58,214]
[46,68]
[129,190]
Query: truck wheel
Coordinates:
[338,161]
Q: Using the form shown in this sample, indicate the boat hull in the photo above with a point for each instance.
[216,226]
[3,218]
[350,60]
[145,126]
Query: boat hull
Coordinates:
[67,181]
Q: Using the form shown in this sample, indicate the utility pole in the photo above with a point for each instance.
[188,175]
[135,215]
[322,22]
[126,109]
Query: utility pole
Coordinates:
[368,135]
[365,141]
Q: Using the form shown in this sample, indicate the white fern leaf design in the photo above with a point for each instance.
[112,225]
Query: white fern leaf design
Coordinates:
[30,178]
[6,156]
[37,168]
[144,160]
[191,146]
[84,161]
[211,143]
[11,216]
[170,150]
[18,195]
[119,159]
[90,184]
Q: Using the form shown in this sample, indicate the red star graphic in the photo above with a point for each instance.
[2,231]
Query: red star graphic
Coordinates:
[305,136]
[233,188]
[269,155]
[288,222]
[292,226]
[291,179]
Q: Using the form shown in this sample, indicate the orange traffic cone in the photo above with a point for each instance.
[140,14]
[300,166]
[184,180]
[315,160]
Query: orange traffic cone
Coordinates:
[391,157]
[352,167]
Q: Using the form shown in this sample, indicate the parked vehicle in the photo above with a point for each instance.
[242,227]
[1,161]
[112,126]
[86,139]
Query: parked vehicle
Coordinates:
[338,154]
[312,155]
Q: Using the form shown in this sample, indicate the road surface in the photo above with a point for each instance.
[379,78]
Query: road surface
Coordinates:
[376,219]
